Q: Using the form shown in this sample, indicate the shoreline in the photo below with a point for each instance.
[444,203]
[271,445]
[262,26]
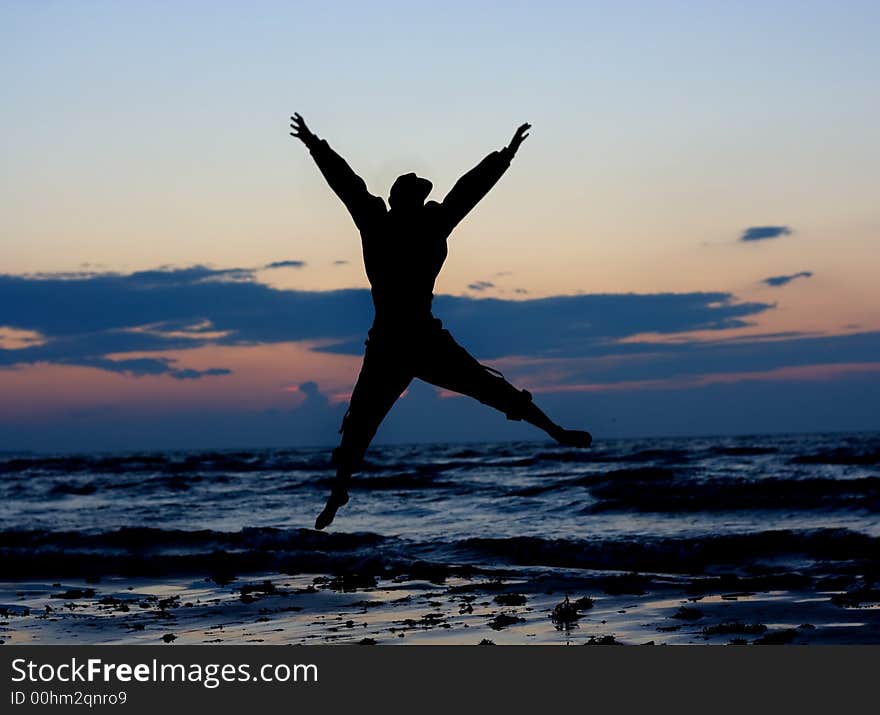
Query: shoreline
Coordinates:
[502,606]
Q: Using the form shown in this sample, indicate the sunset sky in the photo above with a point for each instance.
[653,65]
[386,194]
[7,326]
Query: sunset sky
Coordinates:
[686,243]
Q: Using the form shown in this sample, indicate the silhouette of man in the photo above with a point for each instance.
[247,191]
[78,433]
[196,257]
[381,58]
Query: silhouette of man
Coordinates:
[404,248]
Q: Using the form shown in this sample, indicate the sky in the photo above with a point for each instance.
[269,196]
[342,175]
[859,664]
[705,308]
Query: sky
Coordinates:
[685,244]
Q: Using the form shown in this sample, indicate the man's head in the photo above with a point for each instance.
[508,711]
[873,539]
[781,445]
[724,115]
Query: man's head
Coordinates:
[409,191]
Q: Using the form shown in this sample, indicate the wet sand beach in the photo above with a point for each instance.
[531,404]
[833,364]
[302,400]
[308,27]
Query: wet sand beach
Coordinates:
[487,608]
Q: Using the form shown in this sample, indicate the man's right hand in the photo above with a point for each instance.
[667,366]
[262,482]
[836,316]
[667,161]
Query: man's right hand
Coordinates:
[300,130]
[518,137]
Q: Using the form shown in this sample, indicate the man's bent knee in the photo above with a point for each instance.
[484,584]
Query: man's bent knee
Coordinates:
[521,406]
[515,404]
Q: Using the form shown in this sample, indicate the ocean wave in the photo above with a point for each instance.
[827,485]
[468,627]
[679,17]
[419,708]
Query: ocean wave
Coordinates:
[678,555]
[744,451]
[149,538]
[152,551]
[854,456]
[623,479]
[61,512]
[658,494]
[171,463]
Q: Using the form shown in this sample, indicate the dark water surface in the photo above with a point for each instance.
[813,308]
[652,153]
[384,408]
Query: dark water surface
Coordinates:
[804,504]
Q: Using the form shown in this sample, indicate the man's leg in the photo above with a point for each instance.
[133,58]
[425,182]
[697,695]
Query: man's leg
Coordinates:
[450,366]
[381,381]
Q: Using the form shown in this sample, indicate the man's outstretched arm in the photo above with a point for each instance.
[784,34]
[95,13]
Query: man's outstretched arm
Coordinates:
[475,184]
[347,185]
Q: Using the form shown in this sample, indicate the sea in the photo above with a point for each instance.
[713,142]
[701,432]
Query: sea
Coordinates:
[797,504]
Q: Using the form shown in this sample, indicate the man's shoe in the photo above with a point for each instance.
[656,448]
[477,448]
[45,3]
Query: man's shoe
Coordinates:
[338,498]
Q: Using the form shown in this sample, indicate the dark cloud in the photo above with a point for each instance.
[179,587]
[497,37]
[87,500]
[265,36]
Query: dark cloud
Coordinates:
[315,399]
[782,280]
[585,325]
[285,264]
[94,319]
[189,374]
[481,285]
[643,361]
[85,319]
[764,233]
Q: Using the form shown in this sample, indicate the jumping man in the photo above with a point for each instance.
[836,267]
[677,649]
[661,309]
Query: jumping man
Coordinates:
[404,248]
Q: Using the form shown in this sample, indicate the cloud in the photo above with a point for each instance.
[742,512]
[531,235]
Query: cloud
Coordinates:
[84,320]
[559,345]
[782,280]
[189,374]
[585,325]
[764,233]
[315,399]
[481,285]
[285,264]
[645,361]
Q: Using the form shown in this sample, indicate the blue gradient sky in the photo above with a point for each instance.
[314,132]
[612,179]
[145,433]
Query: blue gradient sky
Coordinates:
[140,135]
